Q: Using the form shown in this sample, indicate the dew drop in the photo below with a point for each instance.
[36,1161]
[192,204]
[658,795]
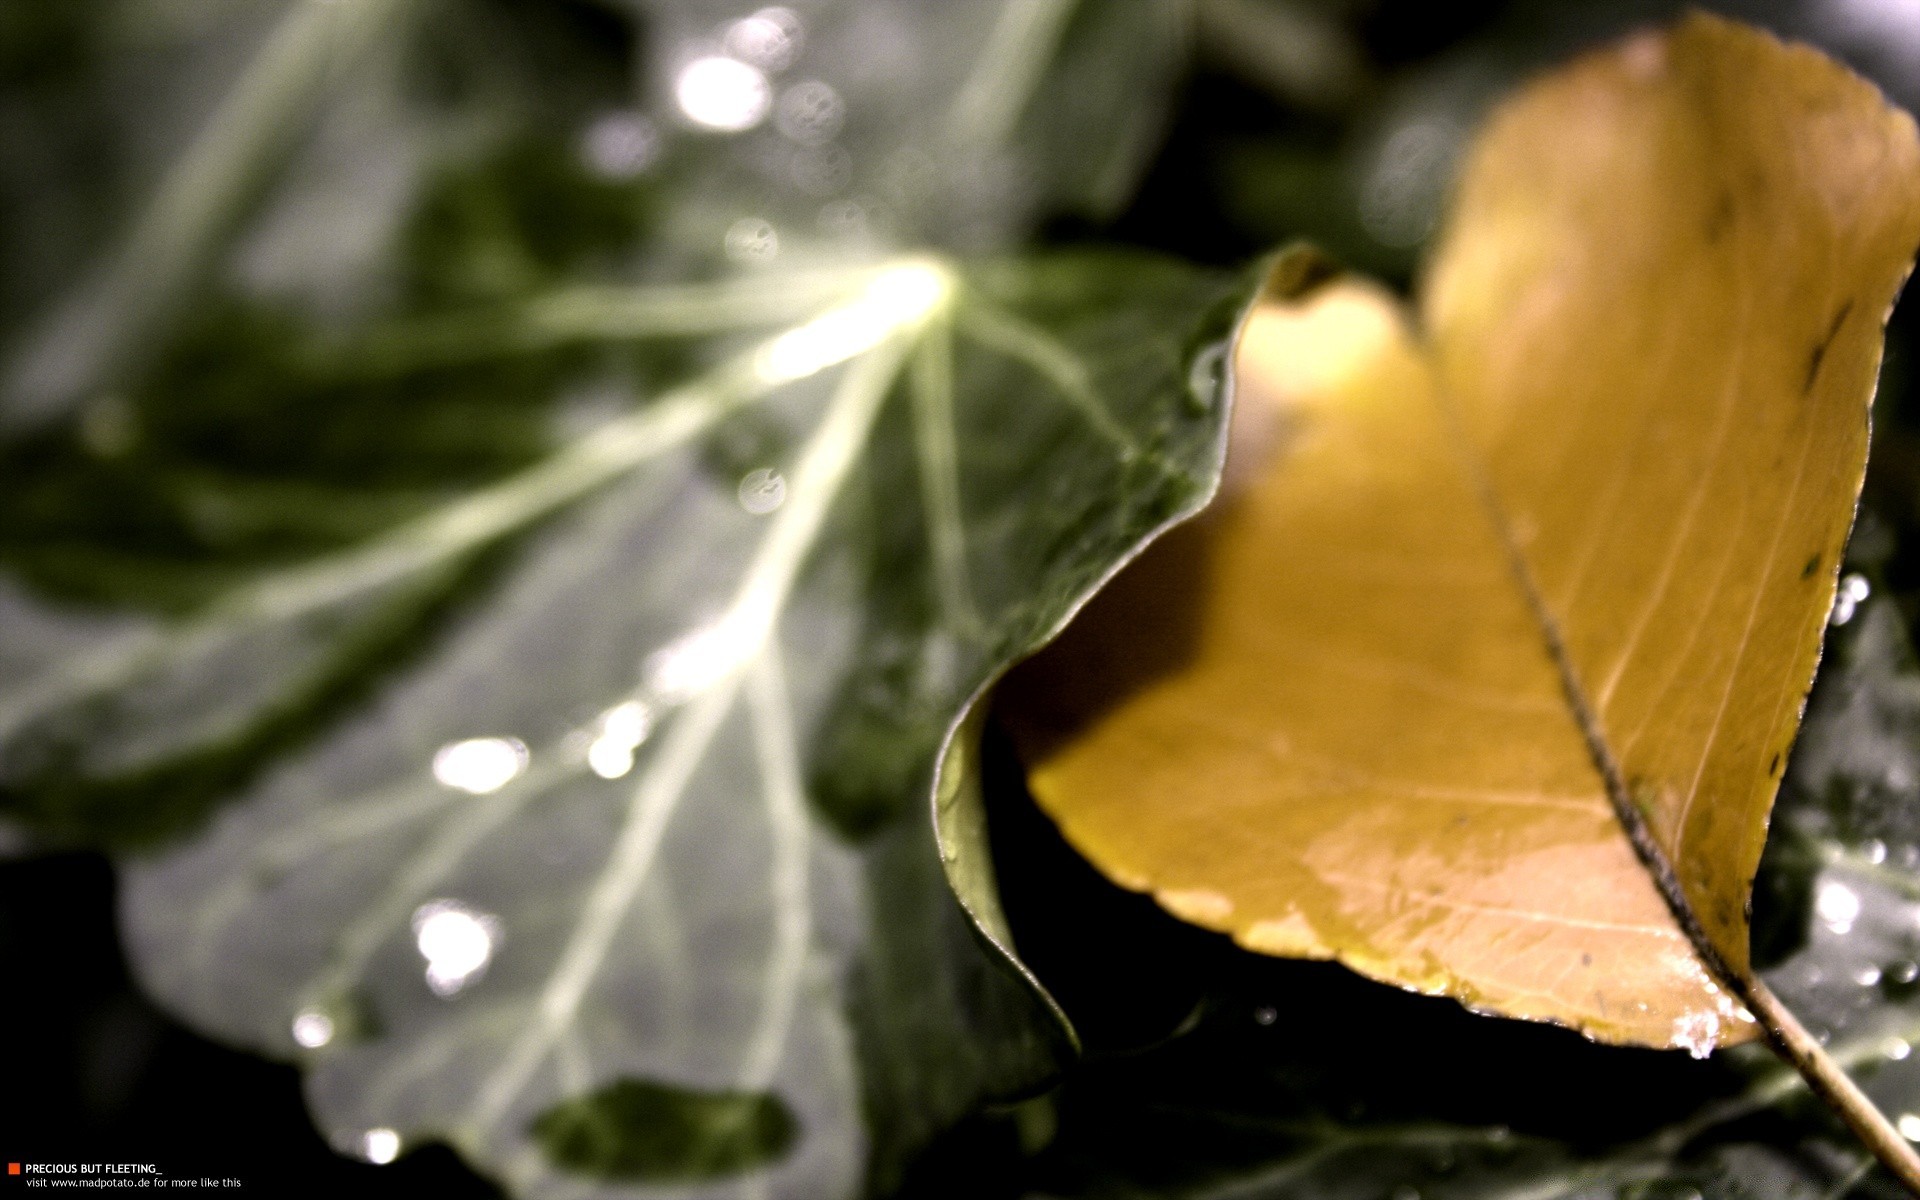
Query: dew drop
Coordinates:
[810,113]
[843,219]
[312,1029]
[1904,971]
[1265,1015]
[1867,976]
[1203,376]
[762,491]
[622,728]
[1897,1049]
[380,1146]
[821,170]
[1837,905]
[769,39]
[1875,851]
[722,94]
[1399,201]
[751,239]
[457,942]
[1853,589]
[1696,1032]
[1909,1126]
[620,145]
[479,766]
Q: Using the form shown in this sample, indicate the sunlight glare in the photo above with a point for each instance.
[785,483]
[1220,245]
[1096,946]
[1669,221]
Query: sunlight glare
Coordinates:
[900,297]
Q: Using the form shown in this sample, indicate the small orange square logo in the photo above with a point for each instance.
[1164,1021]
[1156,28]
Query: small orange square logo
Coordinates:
[13,1168]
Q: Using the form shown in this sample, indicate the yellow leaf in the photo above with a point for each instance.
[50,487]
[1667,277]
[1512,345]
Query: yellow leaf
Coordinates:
[1481,677]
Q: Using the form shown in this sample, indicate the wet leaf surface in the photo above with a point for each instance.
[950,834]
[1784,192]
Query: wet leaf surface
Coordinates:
[1404,1092]
[1497,602]
[581,729]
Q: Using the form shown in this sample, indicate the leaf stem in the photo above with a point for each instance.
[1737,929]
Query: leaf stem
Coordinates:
[1832,1084]
[873,338]
[1790,1038]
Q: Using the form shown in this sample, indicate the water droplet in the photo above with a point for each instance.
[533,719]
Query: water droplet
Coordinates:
[1853,589]
[1909,1126]
[762,491]
[810,113]
[1897,1049]
[1696,1032]
[457,942]
[380,1145]
[1904,971]
[751,239]
[1910,857]
[1265,1015]
[843,219]
[820,170]
[622,728]
[1203,375]
[1867,976]
[480,765]
[620,145]
[769,39]
[1875,851]
[1838,906]
[312,1029]
[723,94]
[1400,199]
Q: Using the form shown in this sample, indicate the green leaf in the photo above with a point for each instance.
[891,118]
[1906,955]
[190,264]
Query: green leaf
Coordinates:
[573,840]
[225,477]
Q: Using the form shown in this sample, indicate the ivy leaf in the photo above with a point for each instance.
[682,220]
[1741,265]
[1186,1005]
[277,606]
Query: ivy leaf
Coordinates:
[550,771]
[225,478]
[645,816]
